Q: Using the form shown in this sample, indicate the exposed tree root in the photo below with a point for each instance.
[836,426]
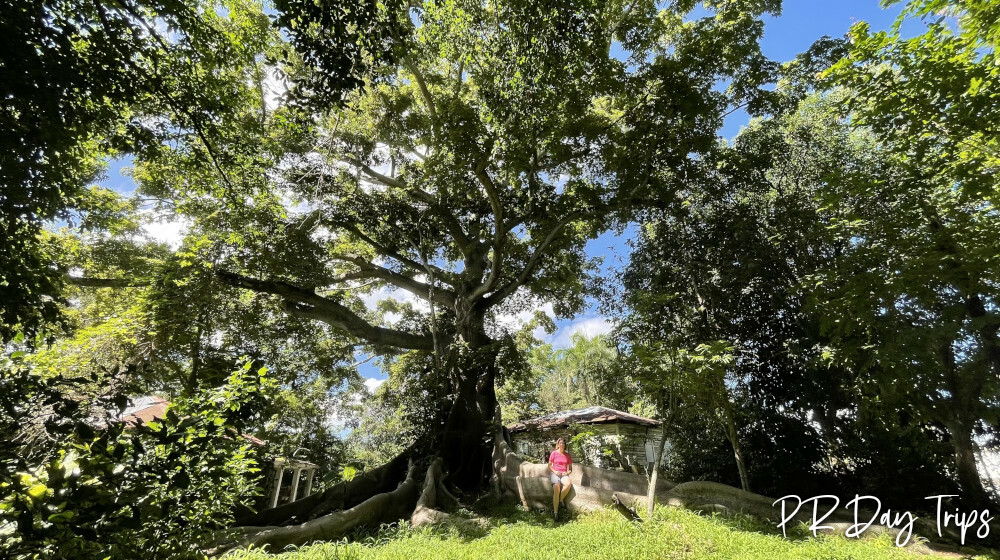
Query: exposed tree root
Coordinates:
[626,511]
[435,495]
[445,499]
[536,493]
[425,513]
[713,496]
[593,487]
[381,508]
[506,464]
[342,496]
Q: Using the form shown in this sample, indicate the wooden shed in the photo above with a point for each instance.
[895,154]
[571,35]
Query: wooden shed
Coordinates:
[598,436]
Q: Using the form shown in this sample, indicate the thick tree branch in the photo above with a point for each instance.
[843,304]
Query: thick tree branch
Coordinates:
[304,303]
[491,193]
[371,173]
[499,230]
[424,92]
[106,282]
[447,217]
[415,287]
[396,255]
[529,267]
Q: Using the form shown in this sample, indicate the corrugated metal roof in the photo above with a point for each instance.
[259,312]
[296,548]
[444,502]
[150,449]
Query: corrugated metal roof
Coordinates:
[148,409]
[589,415]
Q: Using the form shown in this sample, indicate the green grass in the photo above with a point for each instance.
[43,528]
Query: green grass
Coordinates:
[671,533]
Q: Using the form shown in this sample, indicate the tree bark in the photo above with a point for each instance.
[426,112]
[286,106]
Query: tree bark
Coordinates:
[466,442]
[973,491]
[657,457]
[426,511]
[734,440]
[964,402]
[381,508]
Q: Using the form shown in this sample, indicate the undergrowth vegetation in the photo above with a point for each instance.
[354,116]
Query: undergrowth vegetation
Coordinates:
[670,533]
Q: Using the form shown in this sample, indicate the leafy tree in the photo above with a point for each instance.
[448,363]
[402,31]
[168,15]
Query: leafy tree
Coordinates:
[923,237]
[586,362]
[85,80]
[555,380]
[472,176]
[468,176]
[749,259]
[519,391]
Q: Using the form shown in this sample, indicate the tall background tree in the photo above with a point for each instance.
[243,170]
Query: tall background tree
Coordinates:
[84,81]
[930,101]
[847,263]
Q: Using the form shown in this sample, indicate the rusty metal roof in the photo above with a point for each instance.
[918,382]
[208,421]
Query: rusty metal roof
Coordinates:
[149,409]
[590,415]
[145,410]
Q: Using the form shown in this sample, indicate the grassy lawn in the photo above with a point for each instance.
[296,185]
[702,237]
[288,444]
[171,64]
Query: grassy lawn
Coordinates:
[672,533]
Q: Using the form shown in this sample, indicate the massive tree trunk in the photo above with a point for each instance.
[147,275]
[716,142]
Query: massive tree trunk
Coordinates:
[964,401]
[460,452]
[971,483]
[466,443]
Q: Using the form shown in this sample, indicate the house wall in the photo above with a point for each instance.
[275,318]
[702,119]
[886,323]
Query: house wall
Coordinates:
[625,447]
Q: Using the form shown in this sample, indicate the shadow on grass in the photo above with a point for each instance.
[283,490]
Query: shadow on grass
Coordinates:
[800,532]
[465,524]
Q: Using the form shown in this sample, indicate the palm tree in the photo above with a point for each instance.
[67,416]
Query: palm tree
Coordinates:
[581,363]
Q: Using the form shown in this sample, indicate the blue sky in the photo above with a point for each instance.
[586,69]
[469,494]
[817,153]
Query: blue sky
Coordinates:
[800,24]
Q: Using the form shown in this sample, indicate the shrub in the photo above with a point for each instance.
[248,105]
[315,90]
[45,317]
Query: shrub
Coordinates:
[74,487]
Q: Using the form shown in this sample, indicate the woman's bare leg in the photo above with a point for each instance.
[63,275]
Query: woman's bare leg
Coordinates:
[556,493]
[565,491]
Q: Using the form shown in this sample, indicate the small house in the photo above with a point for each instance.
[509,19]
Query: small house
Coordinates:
[597,436]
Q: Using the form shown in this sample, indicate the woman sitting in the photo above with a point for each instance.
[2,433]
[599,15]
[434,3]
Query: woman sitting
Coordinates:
[560,466]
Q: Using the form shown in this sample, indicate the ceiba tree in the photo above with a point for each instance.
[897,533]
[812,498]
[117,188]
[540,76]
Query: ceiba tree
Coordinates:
[469,174]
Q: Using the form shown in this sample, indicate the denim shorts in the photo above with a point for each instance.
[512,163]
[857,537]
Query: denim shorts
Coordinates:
[556,479]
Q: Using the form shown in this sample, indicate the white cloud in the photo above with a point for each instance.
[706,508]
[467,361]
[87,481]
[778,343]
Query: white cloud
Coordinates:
[589,327]
[373,384]
[170,232]
[274,89]
[514,321]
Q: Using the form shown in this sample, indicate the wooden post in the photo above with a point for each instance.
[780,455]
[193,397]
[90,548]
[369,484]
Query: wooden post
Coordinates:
[295,484]
[279,467]
[651,493]
[309,482]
